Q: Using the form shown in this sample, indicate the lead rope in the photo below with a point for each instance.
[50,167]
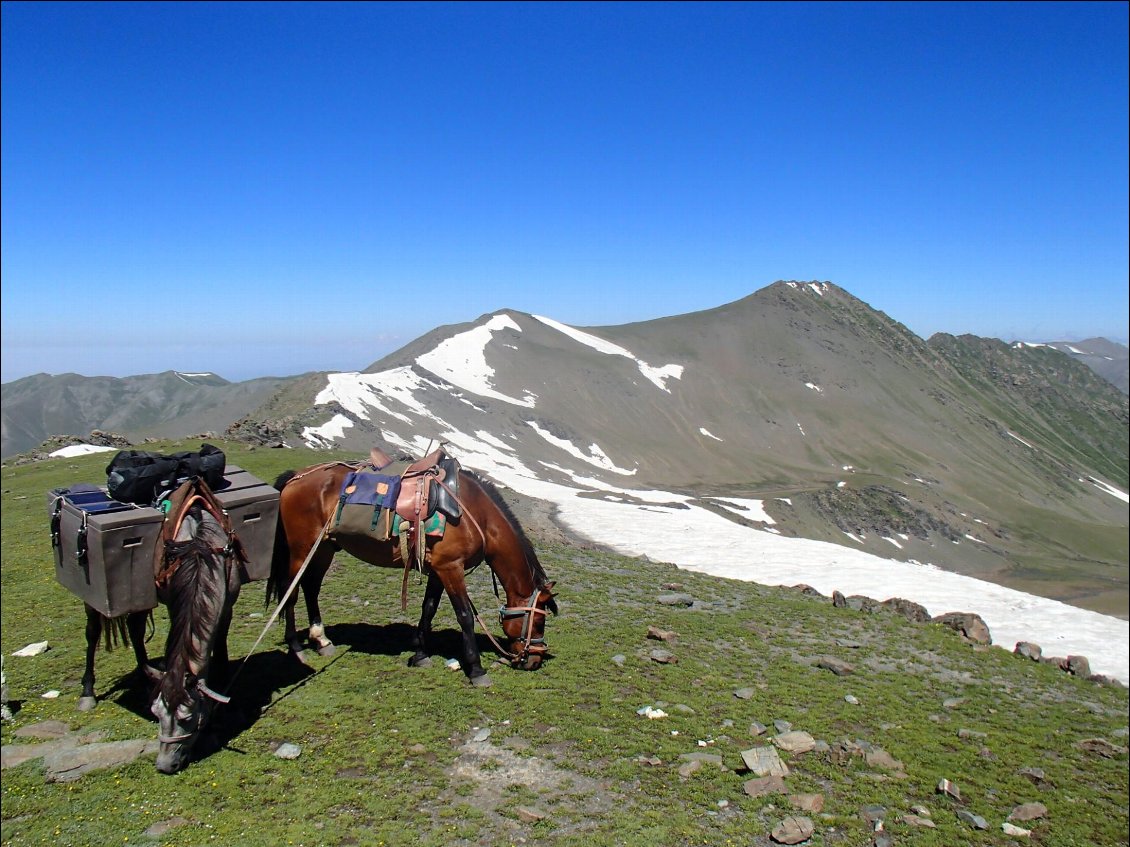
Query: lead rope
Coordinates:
[282,602]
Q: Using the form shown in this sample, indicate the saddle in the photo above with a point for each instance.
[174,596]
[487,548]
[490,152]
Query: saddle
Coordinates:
[179,502]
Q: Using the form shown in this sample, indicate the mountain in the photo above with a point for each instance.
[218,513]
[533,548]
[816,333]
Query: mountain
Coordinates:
[169,404]
[990,460]
[1109,360]
[1003,462]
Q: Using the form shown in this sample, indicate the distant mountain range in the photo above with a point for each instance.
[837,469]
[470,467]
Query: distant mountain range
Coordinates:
[1001,461]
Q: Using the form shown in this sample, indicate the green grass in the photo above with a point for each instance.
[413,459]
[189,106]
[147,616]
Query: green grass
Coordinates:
[386,751]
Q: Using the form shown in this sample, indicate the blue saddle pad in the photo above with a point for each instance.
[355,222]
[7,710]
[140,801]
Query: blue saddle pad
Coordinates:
[365,488]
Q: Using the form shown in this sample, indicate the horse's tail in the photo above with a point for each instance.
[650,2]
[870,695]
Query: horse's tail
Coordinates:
[280,558]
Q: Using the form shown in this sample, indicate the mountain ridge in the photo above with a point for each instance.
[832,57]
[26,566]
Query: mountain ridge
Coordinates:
[797,392]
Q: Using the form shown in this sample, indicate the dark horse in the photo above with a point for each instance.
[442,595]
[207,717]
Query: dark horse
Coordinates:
[199,571]
[486,531]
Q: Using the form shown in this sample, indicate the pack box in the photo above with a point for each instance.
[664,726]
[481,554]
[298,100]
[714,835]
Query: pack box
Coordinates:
[104,549]
[253,507]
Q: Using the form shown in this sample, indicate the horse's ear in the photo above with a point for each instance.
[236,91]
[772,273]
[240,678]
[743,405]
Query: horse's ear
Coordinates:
[547,596]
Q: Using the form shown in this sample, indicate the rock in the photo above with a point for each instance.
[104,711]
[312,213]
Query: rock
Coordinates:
[971,733]
[70,763]
[1036,775]
[1028,812]
[756,728]
[793,830]
[874,815]
[1015,831]
[529,814]
[952,702]
[1078,666]
[1028,650]
[482,735]
[950,789]
[794,741]
[764,761]
[43,729]
[657,634]
[879,758]
[704,759]
[917,820]
[689,768]
[764,785]
[969,625]
[36,649]
[619,660]
[664,657]
[288,751]
[651,713]
[1101,746]
[744,693]
[836,666]
[807,802]
[782,725]
[914,612]
[851,699]
[675,600]
[975,821]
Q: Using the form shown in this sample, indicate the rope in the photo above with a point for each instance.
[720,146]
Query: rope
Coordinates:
[282,602]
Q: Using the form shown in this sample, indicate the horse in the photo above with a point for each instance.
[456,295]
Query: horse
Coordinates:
[486,531]
[199,569]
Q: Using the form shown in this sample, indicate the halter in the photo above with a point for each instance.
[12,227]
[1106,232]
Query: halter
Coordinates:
[529,644]
[205,691]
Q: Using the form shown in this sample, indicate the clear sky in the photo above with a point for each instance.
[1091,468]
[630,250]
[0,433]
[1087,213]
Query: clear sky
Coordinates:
[264,189]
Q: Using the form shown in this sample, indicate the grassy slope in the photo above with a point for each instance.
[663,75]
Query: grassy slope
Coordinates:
[387,756]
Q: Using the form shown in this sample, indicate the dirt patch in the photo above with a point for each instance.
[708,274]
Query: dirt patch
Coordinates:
[522,796]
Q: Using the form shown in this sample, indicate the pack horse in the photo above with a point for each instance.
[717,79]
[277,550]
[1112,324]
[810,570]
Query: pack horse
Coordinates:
[431,515]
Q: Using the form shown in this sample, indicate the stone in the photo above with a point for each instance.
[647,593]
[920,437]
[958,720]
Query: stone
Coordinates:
[975,821]
[288,751]
[675,600]
[1078,666]
[950,789]
[1028,812]
[1028,650]
[793,830]
[764,785]
[663,657]
[837,666]
[764,761]
[1015,831]
[968,624]
[794,741]
[657,634]
[744,693]
[807,802]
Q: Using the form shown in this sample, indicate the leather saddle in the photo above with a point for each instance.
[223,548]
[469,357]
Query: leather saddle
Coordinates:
[421,494]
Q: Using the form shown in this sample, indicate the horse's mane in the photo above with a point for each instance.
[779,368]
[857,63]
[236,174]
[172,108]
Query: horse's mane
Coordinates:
[540,578]
[197,593]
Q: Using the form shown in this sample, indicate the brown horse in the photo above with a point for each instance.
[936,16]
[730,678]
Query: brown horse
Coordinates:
[486,531]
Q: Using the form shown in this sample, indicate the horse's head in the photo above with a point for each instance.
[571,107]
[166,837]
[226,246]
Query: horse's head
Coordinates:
[524,625]
[182,724]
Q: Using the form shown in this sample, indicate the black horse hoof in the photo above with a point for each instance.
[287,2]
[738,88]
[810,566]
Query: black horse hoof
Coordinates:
[482,681]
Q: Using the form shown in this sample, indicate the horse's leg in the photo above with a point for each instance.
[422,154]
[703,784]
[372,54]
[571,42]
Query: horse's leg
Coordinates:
[452,576]
[422,657]
[88,701]
[311,588]
[135,626]
[218,668]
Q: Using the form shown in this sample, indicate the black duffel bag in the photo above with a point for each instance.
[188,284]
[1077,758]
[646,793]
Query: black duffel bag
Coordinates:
[136,476]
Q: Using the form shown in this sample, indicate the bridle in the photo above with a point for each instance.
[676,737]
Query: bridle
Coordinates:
[529,645]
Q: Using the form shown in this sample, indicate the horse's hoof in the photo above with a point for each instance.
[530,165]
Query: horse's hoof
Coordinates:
[422,662]
[328,650]
[87,704]
[300,657]
[483,681]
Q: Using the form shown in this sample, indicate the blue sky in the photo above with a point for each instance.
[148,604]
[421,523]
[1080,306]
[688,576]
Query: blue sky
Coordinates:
[265,189]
